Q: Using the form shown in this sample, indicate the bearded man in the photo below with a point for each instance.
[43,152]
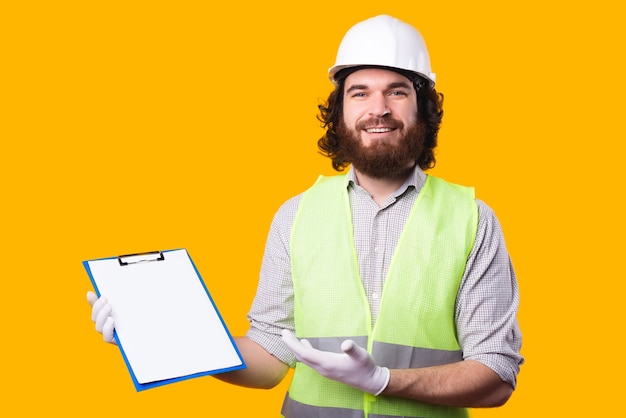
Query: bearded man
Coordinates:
[390,291]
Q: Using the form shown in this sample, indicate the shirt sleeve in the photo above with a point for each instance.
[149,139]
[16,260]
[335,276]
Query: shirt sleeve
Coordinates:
[488,300]
[272,308]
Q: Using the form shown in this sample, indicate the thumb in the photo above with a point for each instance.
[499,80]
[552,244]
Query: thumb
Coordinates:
[91,298]
[353,350]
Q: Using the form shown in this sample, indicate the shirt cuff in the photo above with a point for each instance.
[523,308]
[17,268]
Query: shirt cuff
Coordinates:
[273,344]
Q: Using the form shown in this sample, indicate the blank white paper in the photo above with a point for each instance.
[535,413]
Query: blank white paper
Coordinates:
[165,320]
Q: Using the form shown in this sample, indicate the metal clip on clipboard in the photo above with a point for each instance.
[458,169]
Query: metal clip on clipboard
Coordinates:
[149,256]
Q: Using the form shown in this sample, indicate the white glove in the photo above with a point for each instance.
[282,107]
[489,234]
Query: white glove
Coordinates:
[354,367]
[101,315]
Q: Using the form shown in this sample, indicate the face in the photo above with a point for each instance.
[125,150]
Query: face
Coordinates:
[379,131]
[379,104]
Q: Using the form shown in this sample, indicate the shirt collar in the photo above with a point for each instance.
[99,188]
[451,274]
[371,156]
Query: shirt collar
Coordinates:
[416,179]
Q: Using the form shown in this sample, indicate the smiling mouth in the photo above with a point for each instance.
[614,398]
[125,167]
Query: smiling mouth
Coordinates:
[378,130]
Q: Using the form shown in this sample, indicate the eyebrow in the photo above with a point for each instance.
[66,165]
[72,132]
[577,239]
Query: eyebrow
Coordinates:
[399,84]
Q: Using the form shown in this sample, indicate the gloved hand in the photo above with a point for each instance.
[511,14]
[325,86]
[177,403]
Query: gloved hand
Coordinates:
[354,367]
[101,315]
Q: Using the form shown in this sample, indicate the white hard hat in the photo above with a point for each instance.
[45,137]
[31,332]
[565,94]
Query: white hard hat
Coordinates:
[386,42]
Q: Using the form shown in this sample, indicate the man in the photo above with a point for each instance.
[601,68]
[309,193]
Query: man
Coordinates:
[397,285]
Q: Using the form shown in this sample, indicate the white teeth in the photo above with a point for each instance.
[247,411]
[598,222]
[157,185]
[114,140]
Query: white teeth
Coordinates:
[378,130]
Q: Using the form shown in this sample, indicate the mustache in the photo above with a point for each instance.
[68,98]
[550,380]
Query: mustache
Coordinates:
[378,121]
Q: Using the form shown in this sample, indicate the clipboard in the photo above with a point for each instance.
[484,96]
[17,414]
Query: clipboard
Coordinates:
[166,323]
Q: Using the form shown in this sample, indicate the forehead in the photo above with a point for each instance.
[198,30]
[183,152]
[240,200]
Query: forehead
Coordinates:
[375,78]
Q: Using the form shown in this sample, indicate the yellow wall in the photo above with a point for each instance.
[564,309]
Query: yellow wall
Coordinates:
[137,125]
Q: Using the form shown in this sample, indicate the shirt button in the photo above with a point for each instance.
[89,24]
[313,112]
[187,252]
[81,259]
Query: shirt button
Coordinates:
[374,295]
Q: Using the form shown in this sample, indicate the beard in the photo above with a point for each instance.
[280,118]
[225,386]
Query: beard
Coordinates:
[382,159]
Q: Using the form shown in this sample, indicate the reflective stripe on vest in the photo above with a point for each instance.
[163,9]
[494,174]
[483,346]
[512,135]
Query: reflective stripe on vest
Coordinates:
[392,355]
[330,304]
[293,408]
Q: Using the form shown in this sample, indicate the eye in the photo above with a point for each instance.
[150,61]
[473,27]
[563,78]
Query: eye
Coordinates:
[398,93]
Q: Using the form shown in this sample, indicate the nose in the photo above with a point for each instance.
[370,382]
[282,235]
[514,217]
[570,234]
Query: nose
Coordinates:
[379,106]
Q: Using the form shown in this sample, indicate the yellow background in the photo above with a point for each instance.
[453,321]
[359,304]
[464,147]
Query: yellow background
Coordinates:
[137,125]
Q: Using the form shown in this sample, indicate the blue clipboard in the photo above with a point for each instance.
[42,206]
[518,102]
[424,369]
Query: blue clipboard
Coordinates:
[168,327]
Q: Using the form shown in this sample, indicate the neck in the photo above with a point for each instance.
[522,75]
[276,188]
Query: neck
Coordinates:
[381,188]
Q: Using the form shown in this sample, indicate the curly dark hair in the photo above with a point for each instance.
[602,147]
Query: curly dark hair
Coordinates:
[429,112]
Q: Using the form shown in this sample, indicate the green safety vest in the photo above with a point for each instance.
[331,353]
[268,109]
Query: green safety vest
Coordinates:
[415,327]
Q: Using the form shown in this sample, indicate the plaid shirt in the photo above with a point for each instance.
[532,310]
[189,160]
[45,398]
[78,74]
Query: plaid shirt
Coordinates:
[486,304]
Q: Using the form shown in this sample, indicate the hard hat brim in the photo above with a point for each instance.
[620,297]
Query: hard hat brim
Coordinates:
[338,73]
